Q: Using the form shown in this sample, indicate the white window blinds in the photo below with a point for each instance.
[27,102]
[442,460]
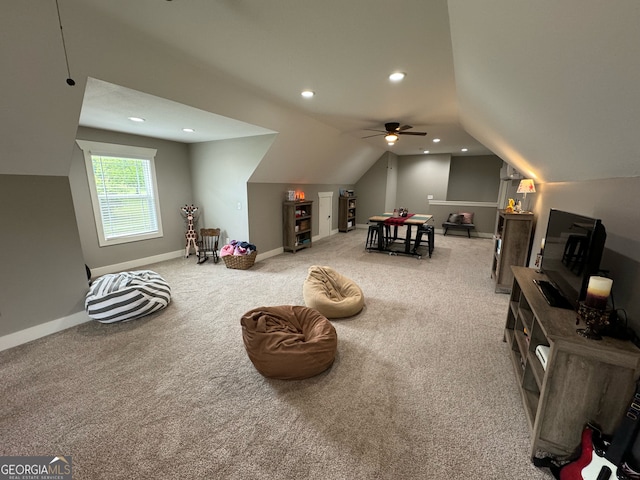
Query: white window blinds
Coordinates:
[123,191]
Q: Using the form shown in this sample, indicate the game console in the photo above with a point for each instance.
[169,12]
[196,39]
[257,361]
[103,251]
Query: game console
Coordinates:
[542,352]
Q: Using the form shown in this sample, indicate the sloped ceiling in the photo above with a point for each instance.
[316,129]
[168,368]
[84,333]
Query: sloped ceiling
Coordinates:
[550,87]
[344,51]
[108,107]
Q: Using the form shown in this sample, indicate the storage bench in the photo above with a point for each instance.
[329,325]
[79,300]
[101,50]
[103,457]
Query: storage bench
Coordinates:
[459,221]
[460,226]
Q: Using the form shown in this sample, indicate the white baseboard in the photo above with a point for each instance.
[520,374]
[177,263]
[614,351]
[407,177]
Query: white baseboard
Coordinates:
[138,262]
[42,330]
[269,254]
[278,251]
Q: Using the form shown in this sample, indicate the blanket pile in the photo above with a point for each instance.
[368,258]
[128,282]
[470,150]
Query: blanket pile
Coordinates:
[235,247]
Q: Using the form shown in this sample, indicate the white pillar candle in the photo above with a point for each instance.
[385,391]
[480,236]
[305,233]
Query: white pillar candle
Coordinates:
[598,291]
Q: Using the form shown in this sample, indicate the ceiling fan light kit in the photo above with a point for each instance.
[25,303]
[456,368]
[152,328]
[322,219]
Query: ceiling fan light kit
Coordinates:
[392,132]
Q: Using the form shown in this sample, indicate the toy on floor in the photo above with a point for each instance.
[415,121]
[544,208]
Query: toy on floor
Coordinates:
[191,214]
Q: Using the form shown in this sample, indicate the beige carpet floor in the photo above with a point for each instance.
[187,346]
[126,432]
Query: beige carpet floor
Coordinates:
[422,386]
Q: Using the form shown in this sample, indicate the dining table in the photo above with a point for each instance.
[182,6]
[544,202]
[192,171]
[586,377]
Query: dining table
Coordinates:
[387,243]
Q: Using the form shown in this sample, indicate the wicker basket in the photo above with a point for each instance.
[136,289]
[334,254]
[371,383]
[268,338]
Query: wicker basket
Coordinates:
[240,262]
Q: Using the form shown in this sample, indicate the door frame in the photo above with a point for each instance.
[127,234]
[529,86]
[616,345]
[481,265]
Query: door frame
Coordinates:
[327,215]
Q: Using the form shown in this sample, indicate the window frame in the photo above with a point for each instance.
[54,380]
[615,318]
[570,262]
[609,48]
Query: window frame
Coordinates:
[90,149]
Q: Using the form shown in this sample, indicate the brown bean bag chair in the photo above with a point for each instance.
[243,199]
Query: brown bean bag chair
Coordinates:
[289,342]
[332,294]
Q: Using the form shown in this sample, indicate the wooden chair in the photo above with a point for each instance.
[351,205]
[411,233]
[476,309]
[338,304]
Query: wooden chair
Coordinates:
[208,244]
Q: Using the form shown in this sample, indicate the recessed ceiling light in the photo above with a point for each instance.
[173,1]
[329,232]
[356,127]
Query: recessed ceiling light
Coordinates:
[136,119]
[465,149]
[426,151]
[436,140]
[308,93]
[397,76]
[188,130]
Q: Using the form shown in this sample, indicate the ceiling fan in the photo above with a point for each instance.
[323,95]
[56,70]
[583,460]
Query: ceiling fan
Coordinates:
[393,130]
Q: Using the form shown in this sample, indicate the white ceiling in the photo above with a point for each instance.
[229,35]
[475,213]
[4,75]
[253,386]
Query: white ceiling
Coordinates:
[344,51]
[108,106]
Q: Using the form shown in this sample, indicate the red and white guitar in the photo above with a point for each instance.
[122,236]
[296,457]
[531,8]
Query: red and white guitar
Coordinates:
[592,464]
[600,460]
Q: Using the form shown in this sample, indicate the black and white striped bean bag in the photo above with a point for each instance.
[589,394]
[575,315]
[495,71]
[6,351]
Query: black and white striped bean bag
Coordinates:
[127,295]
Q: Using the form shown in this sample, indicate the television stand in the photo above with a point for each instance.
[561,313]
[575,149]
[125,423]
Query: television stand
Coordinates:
[582,380]
[552,294]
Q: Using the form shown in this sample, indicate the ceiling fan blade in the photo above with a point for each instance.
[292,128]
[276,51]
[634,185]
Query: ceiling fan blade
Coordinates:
[404,127]
[375,135]
[422,134]
[373,130]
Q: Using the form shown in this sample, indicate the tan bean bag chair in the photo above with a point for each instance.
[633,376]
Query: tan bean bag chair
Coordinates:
[289,342]
[332,294]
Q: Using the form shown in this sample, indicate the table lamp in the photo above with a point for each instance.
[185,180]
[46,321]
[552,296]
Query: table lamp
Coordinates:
[526,186]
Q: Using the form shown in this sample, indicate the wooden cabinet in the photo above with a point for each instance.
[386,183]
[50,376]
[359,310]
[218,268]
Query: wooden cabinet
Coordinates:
[347,214]
[583,380]
[512,240]
[297,225]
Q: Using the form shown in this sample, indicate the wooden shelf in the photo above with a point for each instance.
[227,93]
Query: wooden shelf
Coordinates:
[297,225]
[347,213]
[512,239]
[584,380]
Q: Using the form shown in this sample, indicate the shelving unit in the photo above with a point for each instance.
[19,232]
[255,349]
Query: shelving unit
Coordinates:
[512,239]
[297,217]
[583,381]
[346,214]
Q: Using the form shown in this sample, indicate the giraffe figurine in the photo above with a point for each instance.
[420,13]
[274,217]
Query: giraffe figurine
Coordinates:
[191,214]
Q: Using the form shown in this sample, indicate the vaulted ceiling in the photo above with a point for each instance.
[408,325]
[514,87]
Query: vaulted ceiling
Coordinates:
[343,51]
[550,87]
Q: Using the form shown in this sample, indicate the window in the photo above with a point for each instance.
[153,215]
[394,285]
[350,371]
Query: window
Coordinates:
[124,194]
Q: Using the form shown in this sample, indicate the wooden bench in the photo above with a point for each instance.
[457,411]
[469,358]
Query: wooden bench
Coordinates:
[461,226]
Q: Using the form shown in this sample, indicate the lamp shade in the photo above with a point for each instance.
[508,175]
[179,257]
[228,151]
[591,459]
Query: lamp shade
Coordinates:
[526,186]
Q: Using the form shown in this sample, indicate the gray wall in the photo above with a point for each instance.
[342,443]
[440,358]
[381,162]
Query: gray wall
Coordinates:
[392,182]
[371,190]
[173,175]
[474,178]
[42,274]
[220,171]
[484,217]
[414,177]
[419,176]
[265,210]
[614,201]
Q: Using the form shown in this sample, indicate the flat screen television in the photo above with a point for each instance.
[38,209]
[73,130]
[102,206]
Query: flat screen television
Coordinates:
[572,252]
